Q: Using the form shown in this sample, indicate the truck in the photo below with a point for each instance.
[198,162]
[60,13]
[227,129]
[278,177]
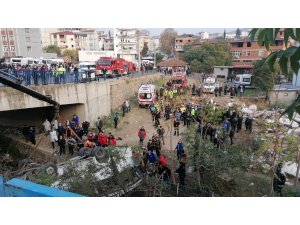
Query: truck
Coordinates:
[114,66]
[179,80]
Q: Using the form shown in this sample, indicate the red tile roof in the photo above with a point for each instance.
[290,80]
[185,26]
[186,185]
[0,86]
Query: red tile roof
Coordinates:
[64,33]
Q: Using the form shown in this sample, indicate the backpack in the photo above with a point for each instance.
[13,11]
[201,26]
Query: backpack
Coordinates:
[116,117]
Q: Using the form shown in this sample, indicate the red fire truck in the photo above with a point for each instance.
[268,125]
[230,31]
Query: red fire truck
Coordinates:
[179,80]
[114,66]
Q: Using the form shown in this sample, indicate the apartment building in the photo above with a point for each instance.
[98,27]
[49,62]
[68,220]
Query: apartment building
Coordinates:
[126,43]
[66,40]
[24,42]
[183,40]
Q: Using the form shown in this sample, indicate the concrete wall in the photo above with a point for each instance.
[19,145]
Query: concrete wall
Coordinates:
[90,100]
[286,97]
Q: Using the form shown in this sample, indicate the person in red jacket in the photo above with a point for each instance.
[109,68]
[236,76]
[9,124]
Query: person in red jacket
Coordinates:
[142,135]
[111,139]
[103,139]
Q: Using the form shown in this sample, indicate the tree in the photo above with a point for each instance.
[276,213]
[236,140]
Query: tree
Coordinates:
[53,49]
[264,78]
[71,54]
[195,64]
[145,49]
[224,34]
[207,56]
[167,40]
[159,57]
[238,33]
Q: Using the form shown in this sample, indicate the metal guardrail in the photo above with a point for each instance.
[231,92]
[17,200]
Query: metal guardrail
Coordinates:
[49,78]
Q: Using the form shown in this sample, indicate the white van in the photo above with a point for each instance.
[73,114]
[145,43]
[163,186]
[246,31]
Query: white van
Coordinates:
[209,85]
[146,94]
[243,79]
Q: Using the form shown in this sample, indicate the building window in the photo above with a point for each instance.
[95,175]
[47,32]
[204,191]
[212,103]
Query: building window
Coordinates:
[247,60]
[11,38]
[247,53]
[27,39]
[3,38]
[12,48]
[240,44]
[29,49]
[61,36]
[72,46]
[72,39]
[280,33]
[236,53]
[5,48]
[261,53]
[26,30]
[248,44]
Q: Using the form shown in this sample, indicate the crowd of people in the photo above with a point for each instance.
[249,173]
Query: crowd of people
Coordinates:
[72,135]
[41,74]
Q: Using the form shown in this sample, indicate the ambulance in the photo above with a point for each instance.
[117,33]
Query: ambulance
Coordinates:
[146,94]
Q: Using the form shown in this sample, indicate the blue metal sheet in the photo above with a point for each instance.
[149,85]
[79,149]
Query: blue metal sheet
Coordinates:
[23,188]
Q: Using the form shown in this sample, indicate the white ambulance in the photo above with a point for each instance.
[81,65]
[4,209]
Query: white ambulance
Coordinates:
[146,94]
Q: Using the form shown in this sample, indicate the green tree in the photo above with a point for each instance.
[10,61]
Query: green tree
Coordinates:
[224,34]
[167,40]
[159,57]
[195,64]
[264,78]
[71,54]
[238,32]
[145,50]
[207,56]
[52,49]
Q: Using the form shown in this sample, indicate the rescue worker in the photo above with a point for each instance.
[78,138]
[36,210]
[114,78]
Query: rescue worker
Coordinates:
[161,132]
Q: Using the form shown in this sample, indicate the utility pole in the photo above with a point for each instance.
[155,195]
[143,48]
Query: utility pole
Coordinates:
[138,49]
[122,30]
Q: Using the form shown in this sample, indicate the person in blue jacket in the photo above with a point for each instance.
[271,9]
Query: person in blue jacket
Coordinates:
[179,149]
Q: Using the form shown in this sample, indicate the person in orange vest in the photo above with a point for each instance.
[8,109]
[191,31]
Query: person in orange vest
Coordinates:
[111,139]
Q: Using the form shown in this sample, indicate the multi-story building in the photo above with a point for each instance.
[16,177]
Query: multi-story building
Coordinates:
[108,44]
[88,40]
[144,37]
[245,52]
[183,40]
[45,35]
[67,40]
[126,43]
[24,42]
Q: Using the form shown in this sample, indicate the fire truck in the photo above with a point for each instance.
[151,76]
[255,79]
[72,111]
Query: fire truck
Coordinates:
[179,80]
[114,66]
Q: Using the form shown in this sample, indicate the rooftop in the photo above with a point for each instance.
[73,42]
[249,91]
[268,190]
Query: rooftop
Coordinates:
[64,33]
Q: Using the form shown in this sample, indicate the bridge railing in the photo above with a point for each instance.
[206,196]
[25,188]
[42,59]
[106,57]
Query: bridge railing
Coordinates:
[48,77]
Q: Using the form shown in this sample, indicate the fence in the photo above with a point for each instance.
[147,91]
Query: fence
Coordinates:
[29,78]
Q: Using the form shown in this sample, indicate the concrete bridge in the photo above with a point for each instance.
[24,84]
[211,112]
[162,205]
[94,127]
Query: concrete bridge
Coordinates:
[88,100]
